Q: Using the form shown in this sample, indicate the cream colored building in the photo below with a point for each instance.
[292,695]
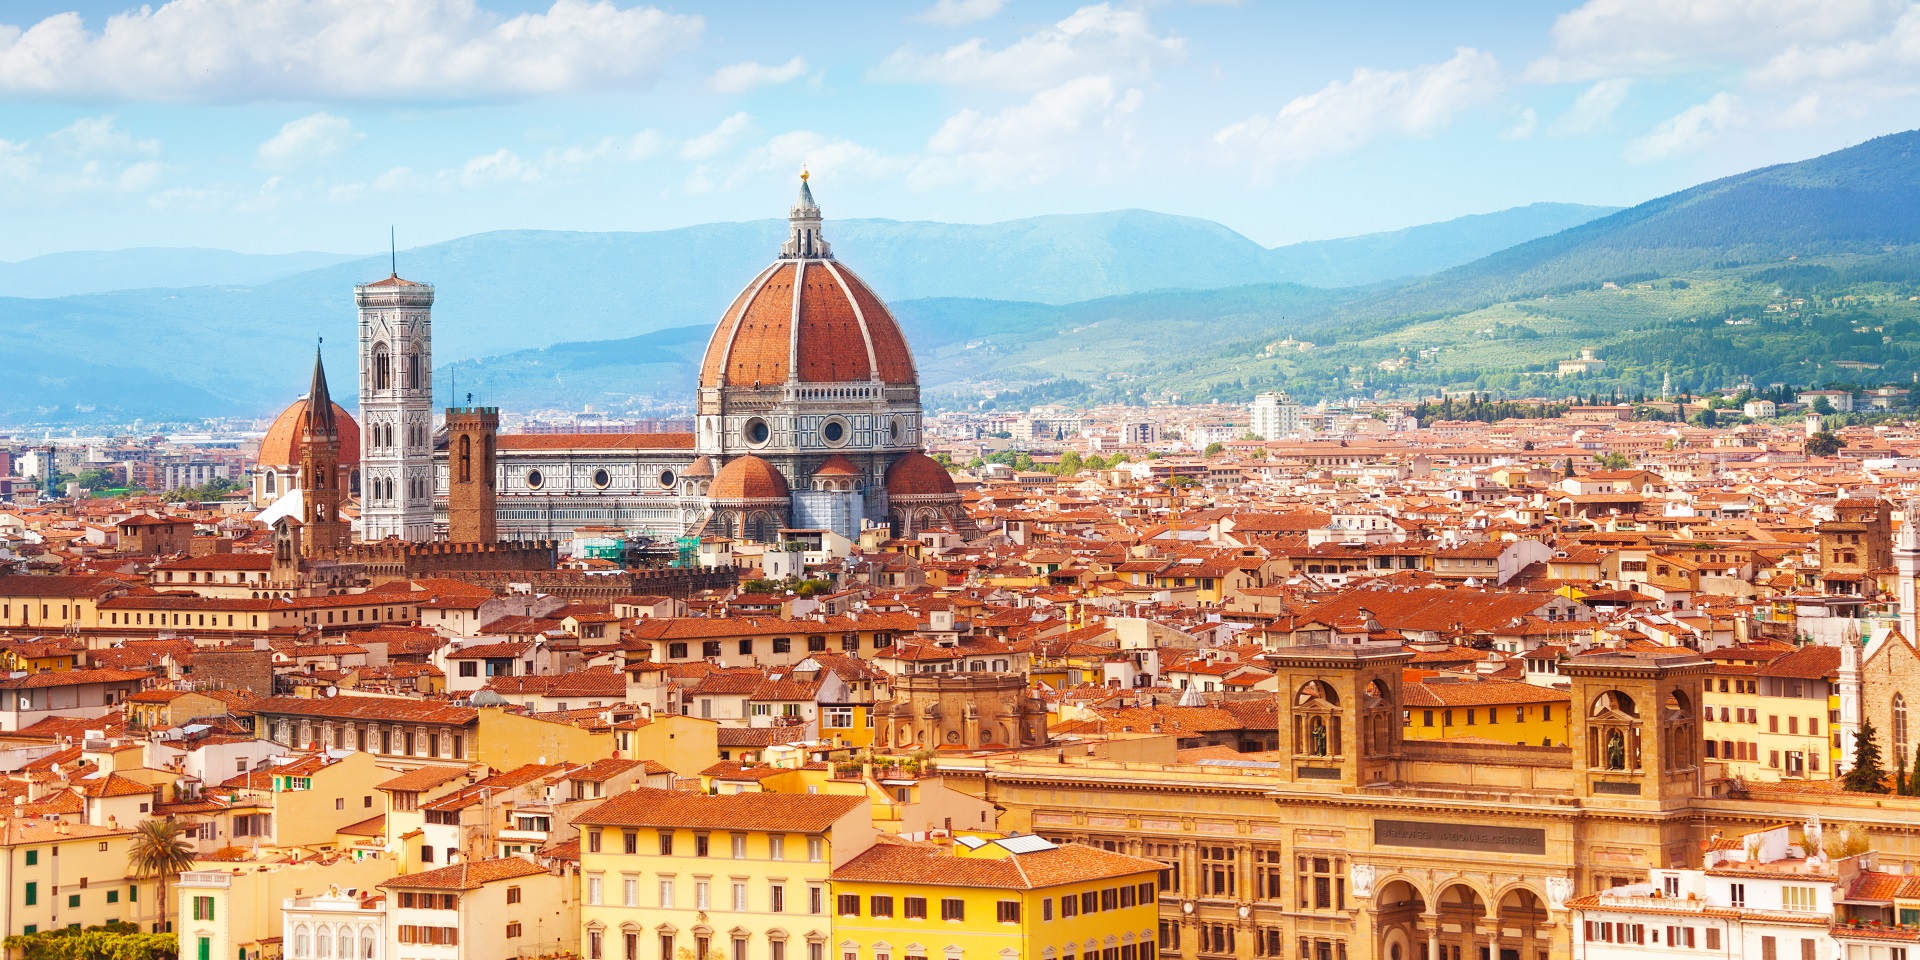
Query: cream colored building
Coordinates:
[60,874]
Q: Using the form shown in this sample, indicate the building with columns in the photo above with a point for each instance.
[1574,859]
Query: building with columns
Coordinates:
[1352,842]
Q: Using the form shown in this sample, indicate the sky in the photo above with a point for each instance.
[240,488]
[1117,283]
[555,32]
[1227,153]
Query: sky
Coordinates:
[270,126]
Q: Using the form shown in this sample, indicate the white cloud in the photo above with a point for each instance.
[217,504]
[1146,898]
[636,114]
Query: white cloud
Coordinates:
[92,155]
[500,166]
[1592,110]
[742,77]
[719,140]
[1343,115]
[954,13]
[1523,128]
[1097,40]
[830,158]
[1081,128]
[1689,129]
[312,139]
[238,50]
[1605,38]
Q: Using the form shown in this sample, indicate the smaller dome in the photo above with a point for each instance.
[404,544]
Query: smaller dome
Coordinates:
[748,478]
[837,466]
[282,445]
[918,475]
[699,469]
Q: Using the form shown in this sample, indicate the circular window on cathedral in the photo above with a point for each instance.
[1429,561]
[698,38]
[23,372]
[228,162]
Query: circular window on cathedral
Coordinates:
[602,479]
[756,431]
[834,432]
[535,480]
[893,429]
[667,478]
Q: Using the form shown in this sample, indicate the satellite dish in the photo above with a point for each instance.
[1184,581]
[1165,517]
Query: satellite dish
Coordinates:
[333,691]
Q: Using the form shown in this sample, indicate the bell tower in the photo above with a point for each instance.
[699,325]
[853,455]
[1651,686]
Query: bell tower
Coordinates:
[325,534]
[396,409]
[473,513]
[1906,564]
[1339,712]
[1635,727]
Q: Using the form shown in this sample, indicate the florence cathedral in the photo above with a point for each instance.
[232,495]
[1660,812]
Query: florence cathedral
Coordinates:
[807,418]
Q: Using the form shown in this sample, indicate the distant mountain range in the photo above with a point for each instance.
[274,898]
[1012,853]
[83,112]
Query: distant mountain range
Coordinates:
[99,271]
[242,345]
[1099,305]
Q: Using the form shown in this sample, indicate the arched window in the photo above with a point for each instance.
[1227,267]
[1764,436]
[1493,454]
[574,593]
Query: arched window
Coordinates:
[270,480]
[346,944]
[466,459]
[382,367]
[301,942]
[1899,725]
[414,363]
[322,944]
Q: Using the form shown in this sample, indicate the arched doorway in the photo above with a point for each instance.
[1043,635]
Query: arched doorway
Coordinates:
[1398,909]
[1462,918]
[1522,918]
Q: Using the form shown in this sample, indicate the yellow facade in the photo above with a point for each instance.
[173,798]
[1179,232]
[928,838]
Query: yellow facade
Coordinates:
[508,741]
[71,875]
[720,876]
[851,723]
[958,906]
[1525,724]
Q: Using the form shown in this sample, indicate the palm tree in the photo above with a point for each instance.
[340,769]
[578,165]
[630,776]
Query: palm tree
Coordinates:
[161,849]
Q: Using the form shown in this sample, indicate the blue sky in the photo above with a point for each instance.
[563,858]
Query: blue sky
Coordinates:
[275,125]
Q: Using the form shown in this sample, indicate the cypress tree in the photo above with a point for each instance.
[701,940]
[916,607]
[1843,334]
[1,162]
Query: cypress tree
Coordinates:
[1867,776]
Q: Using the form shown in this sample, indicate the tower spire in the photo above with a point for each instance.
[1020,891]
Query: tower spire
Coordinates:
[804,241]
[319,401]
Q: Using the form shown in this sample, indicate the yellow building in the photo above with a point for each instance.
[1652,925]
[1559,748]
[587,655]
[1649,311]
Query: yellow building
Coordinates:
[1767,711]
[735,876]
[1014,897]
[1510,711]
[61,874]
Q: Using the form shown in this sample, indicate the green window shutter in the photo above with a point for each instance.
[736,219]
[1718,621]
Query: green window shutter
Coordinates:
[33,858]
[133,893]
[33,894]
[206,948]
[113,896]
[32,928]
[73,900]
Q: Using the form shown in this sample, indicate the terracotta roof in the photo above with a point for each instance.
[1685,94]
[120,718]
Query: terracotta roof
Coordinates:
[748,478]
[367,708]
[423,778]
[466,876]
[596,441]
[918,475]
[282,445]
[937,866]
[1811,662]
[815,313]
[797,813]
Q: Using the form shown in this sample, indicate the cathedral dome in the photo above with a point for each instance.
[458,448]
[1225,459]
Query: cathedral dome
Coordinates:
[748,478]
[282,444]
[837,466]
[918,475]
[808,319]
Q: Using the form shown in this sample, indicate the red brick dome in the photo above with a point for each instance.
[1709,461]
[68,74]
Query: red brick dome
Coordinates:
[282,444]
[748,478]
[918,475]
[806,318]
[837,466]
